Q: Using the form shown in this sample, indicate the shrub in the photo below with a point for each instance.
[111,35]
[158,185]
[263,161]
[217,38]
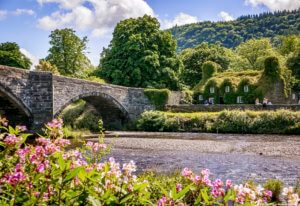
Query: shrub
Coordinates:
[157,97]
[72,112]
[88,121]
[272,68]
[209,68]
[156,121]
[235,121]
[275,186]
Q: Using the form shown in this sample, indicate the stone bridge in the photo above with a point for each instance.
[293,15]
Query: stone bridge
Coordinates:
[37,97]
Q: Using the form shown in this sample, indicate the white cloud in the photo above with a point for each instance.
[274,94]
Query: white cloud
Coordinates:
[274,5]
[179,20]
[32,58]
[19,12]
[225,16]
[3,14]
[100,17]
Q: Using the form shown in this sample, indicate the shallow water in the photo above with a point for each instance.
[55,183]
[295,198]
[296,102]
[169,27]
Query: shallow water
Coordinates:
[237,157]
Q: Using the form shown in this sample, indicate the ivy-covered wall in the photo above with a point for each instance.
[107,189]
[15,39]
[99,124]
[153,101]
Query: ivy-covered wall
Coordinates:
[271,83]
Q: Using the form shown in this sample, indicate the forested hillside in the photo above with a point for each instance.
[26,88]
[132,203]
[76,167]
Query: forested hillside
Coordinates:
[231,34]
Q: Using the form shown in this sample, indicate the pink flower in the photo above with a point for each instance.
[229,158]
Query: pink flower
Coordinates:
[21,128]
[3,121]
[41,168]
[11,140]
[218,183]
[178,187]
[162,201]
[228,184]
[186,172]
[55,123]
[62,142]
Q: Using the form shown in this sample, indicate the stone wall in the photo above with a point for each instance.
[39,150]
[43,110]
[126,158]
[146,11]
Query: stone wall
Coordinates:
[42,96]
[219,107]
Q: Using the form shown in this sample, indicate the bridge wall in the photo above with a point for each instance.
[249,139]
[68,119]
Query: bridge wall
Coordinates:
[42,96]
[31,91]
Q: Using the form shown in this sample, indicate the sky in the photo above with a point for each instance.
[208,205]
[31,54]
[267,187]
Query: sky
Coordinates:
[29,22]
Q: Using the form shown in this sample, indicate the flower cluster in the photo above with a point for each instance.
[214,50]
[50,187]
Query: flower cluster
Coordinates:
[243,193]
[291,197]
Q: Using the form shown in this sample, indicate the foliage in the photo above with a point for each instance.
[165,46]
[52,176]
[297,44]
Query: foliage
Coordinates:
[81,116]
[46,66]
[156,122]
[10,55]
[272,68]
[276,187]
[260,122]
[233,33]
[255,51]
[67,53]
[293,62]
[209,68]
[193,60]
[49,173]
[140,55]
[157,97]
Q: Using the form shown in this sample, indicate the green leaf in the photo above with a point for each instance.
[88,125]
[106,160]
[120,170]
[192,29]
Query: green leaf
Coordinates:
[72,174]
[182,193]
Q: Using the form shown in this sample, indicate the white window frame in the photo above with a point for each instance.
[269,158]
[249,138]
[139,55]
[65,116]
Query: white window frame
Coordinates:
[294,96]
[200,97]
[211,100]
[227,89]
[246,88]
[239,100]
[212,90]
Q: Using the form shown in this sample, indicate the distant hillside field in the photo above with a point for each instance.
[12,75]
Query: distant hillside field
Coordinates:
[231,34]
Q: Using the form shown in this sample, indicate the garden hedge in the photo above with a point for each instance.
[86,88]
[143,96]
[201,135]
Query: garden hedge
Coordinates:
[235,121]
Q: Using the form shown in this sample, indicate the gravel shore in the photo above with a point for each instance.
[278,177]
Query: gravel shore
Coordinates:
[238,157]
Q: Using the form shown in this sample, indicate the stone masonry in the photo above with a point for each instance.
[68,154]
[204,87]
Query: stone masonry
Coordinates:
[42,96]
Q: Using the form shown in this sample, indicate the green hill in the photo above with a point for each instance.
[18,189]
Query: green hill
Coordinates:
[231,34]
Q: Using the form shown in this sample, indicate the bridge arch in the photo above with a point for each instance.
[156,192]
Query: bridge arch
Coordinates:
[110,109]
[13,108]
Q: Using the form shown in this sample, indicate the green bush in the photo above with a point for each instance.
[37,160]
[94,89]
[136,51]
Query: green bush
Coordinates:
[72,112]
[88,121]
[156,121]
[235,121]
[275,186]
[272,68]
[209,68]
[158,97]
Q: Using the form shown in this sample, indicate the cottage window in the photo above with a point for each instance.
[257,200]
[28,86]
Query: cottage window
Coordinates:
[211,100]
[212,90]
[239,100]
[227,89]
[200,97]
[246,88]
[294,96]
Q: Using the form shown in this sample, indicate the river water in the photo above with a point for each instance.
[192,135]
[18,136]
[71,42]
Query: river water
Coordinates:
[236,157]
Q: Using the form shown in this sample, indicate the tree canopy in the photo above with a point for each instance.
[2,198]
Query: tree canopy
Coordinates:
[46,66]
[141,55]
[67,52]
[194,58]
[233,33]
[10,55]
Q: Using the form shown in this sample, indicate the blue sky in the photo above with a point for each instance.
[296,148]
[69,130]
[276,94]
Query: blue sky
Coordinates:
[29,22]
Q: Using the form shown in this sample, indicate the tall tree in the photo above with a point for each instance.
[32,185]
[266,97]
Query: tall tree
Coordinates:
[255,52]
[10,55]
[141,55]
[193,60]
[67,52]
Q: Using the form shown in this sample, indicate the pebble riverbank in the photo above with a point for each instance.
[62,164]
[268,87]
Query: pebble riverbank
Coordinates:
[239,157]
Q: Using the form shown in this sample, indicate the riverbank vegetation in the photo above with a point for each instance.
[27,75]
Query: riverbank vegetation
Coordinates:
[49,173]
[236,121]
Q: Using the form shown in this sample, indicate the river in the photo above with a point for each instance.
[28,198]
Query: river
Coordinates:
[237,157]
